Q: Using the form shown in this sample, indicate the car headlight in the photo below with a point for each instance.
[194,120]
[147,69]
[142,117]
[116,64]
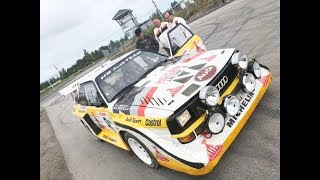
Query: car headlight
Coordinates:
[210,95]
[183,118]
[254,68]
[216,123]
[241,59]
[248,81]
[231,104]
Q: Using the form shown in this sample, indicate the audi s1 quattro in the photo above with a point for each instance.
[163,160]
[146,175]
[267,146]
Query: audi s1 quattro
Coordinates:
[182,113]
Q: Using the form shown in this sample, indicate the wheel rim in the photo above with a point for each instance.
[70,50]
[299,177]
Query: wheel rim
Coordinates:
[139,151]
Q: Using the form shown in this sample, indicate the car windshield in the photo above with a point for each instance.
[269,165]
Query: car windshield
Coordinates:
[127,72]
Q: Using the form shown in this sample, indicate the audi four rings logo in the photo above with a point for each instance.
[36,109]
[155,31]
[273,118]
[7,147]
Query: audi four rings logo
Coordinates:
[222,83]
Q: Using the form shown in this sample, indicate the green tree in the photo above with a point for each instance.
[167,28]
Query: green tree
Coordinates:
[155,15]
[173,3]
[112,45]
[122,41]
[62,73]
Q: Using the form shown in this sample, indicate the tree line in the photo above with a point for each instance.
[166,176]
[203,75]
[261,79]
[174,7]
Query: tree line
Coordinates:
[88,58]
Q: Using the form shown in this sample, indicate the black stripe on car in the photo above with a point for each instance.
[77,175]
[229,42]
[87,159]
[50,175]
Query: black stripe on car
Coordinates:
[92,125]
[183,80]
[124,103]
[190,89]
[197,67]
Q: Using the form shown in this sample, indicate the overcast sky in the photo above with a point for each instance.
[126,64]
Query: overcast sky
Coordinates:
[69,26]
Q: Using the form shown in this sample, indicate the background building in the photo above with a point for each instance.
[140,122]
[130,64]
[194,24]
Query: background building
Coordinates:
[127,21]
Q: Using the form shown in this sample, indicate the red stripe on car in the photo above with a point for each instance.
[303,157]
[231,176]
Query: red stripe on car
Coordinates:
[143,106]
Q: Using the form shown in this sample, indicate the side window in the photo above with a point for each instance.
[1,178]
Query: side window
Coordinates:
[81,96]
[178,36]
[89,95]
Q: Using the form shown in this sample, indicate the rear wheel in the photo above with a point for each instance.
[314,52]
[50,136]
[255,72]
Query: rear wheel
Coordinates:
[141,151]
[91,133]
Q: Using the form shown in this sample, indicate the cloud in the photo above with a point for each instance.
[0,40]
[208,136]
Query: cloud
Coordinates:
[68,27]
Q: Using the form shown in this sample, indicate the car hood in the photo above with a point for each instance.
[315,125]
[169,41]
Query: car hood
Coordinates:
[168,87]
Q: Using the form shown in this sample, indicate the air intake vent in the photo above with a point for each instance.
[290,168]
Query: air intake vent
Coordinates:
[155,101]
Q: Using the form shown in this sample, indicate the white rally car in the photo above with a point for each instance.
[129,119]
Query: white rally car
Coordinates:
[182,113]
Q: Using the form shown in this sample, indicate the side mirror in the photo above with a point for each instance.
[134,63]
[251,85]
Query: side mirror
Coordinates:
[84,102]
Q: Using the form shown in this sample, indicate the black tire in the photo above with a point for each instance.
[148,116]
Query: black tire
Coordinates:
[91,133]
[154,164]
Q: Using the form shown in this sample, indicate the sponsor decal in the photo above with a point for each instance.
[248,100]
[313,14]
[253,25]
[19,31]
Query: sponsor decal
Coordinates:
[153,122]
[209,58]
[198,48]
[185,52]
[223,81]
[81,111]
[194,56]
[205,73]
[107,137]
[190,89]
[101,114]
[133,120]
[168,74]
[174,91]
[160,156]
[245,101]
[213,151]
[197,67]
[264,80]
[183,80]
[121,107]
[206,134]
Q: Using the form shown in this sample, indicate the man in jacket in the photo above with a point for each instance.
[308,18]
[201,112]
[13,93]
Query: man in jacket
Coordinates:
[146,42]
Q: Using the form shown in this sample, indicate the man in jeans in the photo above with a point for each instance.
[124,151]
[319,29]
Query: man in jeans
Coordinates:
[146,42]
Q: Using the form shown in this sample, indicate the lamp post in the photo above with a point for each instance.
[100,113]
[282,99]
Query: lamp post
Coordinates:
[154,3]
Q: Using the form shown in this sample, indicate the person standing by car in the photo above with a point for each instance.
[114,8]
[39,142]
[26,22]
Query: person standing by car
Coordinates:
[173,21]
[146,42]
[160,27]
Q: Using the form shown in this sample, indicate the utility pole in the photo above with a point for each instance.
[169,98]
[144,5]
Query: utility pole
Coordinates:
[58,72]
[154,3]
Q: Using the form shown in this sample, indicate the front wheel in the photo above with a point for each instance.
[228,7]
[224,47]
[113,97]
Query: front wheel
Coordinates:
[141,151]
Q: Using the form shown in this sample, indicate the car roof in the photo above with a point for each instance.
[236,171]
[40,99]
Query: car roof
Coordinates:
[90,76]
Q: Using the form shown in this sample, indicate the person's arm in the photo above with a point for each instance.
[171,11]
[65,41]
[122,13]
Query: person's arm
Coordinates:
[138,46]
[182,21]
[155,44]
[157,38]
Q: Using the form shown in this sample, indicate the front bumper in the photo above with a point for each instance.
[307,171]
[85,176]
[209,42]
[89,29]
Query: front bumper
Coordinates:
[209,149]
